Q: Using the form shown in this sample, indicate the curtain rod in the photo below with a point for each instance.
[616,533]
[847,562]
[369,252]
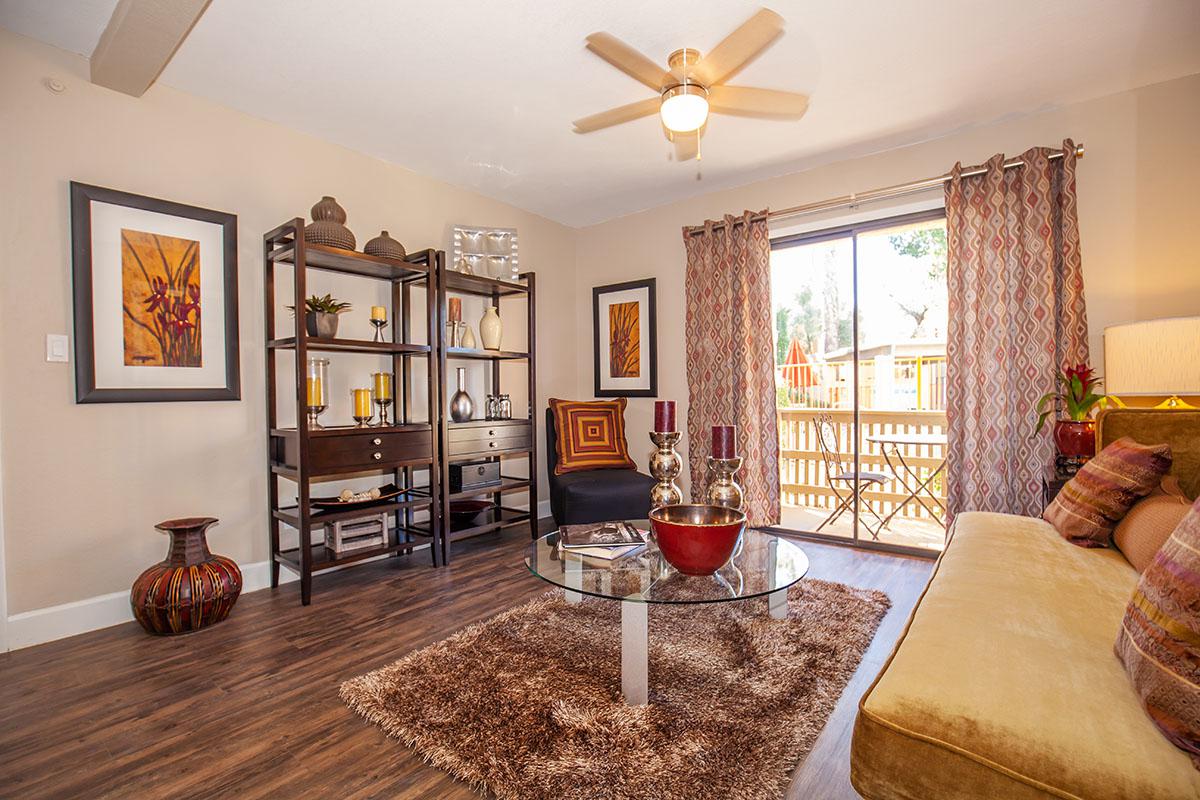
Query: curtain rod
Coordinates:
[875,194]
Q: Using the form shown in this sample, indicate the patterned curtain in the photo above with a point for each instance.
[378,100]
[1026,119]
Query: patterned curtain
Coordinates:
[1016,317]
[731,356]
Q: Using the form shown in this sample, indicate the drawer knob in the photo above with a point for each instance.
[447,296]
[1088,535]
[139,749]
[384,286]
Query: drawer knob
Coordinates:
[491,433]
[491,444]
[377,456]
[377,441]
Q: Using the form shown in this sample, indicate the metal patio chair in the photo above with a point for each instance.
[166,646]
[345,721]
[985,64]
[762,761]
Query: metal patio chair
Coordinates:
[843,479]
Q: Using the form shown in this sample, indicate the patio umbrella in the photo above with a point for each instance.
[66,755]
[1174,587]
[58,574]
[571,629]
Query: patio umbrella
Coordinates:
[797,371]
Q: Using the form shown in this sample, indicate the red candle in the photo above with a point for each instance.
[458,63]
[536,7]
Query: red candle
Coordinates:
[724,441]
[664,416]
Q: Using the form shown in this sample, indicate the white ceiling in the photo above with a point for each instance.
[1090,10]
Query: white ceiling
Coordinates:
[482,94]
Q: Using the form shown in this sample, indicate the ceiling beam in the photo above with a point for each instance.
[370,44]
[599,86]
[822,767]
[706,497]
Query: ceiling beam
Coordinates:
[140,40]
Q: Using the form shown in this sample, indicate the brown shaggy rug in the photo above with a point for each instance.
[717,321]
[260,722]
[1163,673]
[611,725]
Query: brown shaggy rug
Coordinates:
[528,703]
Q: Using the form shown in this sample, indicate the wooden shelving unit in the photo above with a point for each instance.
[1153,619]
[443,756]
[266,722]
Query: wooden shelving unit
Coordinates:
[310,456]
[483,439]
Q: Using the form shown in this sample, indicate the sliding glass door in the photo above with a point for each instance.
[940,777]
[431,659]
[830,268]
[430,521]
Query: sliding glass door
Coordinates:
[860,356]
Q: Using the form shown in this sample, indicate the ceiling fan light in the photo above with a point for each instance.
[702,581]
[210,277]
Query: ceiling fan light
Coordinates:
[684,108]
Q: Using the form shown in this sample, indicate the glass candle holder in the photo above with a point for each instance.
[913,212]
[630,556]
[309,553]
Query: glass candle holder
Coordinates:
[382,381]
[316,390]
[361,403]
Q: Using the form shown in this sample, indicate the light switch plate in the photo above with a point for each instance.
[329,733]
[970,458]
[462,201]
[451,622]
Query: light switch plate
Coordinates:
[56,347]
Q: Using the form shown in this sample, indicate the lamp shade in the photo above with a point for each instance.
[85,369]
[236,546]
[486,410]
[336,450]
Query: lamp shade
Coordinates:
[1155,357]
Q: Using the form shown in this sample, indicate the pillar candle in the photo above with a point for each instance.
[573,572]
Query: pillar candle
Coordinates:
[362,402]
[379,313]
[454,306]
[724,441]
[316,393]
[383,385]
[664,416]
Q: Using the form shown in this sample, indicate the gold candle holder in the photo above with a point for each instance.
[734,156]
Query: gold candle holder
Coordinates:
[383,395]
[665,465]
[722,489]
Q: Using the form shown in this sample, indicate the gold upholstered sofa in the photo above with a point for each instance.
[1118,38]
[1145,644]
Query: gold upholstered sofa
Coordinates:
[1004,684]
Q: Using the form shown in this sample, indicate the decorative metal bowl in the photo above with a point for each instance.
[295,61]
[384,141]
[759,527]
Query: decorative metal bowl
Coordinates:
[464,511]
[696,539]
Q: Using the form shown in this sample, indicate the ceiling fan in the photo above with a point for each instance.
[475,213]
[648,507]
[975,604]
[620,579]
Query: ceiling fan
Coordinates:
[694,85]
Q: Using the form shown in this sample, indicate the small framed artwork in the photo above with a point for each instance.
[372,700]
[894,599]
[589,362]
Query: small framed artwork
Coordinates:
[625,339]
[155,287]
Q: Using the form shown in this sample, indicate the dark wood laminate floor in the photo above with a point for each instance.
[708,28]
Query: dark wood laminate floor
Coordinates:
[250,708]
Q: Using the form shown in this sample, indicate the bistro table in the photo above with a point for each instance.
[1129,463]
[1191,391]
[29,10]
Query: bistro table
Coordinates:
[916,487]
[762,565]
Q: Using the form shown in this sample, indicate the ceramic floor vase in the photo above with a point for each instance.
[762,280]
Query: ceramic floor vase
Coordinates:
[191,588]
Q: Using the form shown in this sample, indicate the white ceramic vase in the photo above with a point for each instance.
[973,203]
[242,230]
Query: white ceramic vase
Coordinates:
[490,328]
[468,338]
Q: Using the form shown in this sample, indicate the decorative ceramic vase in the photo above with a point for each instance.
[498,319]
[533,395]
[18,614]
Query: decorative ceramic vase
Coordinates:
[468,338]
[384,245]
[328,226]
[321,324]
[1075,438]
[461,405]
[191,588]
[490,329]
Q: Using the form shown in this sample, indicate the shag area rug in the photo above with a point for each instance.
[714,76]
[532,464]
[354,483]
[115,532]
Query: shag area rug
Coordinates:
[528,704]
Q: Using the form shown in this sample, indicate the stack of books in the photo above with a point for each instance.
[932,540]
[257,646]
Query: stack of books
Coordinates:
[603,540]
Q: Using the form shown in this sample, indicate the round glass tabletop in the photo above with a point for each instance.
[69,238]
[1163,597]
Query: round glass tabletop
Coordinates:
[761,564]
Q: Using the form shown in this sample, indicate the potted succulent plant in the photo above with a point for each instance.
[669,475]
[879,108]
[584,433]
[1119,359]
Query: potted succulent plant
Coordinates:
[1074,436]
[321,315]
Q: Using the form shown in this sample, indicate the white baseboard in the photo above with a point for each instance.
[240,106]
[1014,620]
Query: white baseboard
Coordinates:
[93,613]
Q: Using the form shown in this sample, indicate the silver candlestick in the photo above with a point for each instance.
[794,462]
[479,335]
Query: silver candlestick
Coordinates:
[665,465]
[379,324]
[722,489]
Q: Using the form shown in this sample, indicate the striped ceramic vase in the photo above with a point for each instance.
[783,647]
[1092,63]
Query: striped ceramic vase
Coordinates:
[191,588]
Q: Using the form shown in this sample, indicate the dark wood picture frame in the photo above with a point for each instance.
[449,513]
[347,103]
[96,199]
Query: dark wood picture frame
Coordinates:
[652,359]
[82,195]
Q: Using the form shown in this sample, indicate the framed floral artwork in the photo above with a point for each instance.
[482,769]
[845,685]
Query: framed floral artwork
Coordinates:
[155,289]
[625,339]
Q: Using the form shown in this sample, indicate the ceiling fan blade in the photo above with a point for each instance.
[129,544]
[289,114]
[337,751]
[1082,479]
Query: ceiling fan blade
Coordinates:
[687,146]
[743,101]
[738,48]
[626,59]
[615,116]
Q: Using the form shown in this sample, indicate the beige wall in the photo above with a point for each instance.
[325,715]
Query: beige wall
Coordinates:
[1138,210]
[83,484]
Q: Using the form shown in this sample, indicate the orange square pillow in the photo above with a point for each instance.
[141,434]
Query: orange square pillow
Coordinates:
[1142,531]
[591,435]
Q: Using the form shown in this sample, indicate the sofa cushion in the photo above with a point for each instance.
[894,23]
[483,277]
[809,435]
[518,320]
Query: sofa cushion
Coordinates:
[590,435]
[1086,510]
[1148,524]
[1004,683]
[1159,640]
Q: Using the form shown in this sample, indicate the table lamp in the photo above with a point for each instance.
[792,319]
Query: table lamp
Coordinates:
[1154,357]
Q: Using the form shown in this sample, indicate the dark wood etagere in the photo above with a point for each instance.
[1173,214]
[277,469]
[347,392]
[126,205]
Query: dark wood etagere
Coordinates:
[306,457]
[482,439]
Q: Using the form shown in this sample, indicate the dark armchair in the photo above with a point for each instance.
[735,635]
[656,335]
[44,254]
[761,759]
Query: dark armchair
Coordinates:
[595,495]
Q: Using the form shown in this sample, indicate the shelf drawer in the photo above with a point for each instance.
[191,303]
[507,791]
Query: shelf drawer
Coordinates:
[354,449]
[490,437]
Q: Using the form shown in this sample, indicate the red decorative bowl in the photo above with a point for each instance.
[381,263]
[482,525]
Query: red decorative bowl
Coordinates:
[696,539]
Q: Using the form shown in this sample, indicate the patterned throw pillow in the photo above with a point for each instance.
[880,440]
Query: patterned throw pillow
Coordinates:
[1148,524]
[1105,488]
[1159,640]
[591,435]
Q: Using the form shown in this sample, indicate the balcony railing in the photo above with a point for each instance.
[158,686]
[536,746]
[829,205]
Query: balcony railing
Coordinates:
[803,481]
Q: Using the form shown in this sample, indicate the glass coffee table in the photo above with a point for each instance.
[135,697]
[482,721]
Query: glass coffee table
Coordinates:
[762,565]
